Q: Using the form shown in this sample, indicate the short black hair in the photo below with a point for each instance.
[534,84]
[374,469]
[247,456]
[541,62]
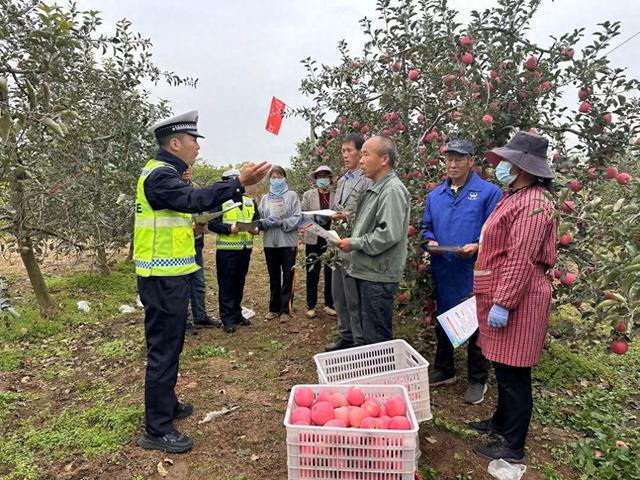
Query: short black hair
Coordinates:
[354,138]
[164,141]
[388,147]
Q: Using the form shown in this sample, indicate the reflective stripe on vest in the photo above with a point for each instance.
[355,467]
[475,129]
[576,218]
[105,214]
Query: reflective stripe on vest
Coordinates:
[240,240]
[163,243]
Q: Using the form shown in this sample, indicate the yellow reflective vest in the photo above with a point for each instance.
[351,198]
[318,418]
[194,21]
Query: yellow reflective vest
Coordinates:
[163,242]
[240,240]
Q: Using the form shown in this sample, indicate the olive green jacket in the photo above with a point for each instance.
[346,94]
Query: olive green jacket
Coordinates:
[379,239]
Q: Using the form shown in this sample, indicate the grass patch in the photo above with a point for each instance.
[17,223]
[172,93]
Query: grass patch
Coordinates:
[594,394]
[117,350]
[454,428]
[10,361]
[269,345]
[98,430]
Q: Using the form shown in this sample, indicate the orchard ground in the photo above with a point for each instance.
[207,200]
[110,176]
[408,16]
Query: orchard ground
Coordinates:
[71,391]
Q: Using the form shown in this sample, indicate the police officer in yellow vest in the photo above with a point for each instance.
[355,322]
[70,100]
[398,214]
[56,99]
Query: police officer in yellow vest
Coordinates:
[165,259]
[233,253]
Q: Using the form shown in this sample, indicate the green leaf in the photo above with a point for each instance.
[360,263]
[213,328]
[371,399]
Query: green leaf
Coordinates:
[5,127]
[4,88]
[53,126]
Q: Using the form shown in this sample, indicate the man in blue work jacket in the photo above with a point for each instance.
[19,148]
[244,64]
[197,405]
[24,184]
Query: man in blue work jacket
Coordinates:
[453,216]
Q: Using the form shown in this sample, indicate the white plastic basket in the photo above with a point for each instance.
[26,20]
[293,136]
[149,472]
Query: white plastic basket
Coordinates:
[386,363]
[323,453]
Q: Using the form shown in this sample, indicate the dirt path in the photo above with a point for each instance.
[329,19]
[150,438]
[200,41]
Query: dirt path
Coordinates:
[252,369]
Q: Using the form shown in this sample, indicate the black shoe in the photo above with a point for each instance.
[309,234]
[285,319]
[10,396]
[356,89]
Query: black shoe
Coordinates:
[340,344]
[174,442]
[229,329]
[183,410]
[206,322]
[438,377]
[190,330]
[498,449]
[243,321]
[485,426]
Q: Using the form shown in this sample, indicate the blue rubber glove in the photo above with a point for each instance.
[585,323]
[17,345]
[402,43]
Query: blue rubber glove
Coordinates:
[498,316]
[271,222]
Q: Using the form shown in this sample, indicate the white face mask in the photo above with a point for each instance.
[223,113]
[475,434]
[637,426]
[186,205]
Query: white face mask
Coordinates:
[503,173]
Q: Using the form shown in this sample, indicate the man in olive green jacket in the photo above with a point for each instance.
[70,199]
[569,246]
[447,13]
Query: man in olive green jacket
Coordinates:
[378,244]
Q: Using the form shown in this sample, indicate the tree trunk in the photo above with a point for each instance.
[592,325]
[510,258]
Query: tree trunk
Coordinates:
[102,260]
[25,246]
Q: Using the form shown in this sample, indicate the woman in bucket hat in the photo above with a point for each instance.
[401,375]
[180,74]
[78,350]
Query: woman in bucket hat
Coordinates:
[512,289]
[321,197]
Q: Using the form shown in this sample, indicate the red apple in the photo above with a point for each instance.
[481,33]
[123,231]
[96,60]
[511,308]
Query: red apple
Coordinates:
[413,75]
[466,41]
[393,116]
[557,274]
[396,67]
[493,74]
[431,185]
[621,327]
[623,178]
[575,186]
[395,406]
[487,118]
[607,118]
[583,94]
[355,396]
[333,132]
[341,413]
[325,396]
[533,131]
[356,124]
[372,406]
[428,320]
[567,206]
[592,172]
[423,267]
[386,132]
[303,397]
[569,53]
[402,298]
[568,279]
[585,107]
[301,416]
[370,423]
[336,423]
[611,172]
[339,400]
[399,423]
[420,117]
[411,231]
[356,416]
[422,150]
[565,240]
[467,58]
[546,85]
[321,413]
[619,346]
[531,63]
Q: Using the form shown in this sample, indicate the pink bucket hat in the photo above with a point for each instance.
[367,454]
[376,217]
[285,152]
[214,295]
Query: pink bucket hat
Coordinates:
[321,168]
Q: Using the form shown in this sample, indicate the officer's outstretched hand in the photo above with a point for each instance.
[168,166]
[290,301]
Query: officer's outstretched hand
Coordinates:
[252,173]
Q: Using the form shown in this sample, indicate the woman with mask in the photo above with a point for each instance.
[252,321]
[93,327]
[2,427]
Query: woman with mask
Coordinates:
[318,198]
[512,288]
[280,213]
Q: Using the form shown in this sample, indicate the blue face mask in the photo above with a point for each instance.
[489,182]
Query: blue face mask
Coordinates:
[323,182]
[278,186]
[503,173]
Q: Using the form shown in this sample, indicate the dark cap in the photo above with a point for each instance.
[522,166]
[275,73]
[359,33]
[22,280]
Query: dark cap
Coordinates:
[461,145]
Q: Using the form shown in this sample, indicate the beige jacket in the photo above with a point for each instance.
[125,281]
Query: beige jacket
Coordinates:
[311,201]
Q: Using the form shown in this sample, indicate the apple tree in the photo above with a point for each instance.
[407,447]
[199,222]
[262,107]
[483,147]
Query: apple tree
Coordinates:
[423,78]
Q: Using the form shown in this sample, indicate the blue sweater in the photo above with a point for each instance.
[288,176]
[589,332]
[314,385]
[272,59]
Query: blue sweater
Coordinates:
[455,221]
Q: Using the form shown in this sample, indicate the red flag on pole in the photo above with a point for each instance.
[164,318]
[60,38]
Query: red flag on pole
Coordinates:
[276,112]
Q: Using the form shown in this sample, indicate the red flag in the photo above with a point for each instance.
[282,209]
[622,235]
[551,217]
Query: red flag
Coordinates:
[276,112]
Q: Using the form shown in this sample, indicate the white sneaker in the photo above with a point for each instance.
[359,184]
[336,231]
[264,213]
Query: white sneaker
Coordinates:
[311,313]
[329,311]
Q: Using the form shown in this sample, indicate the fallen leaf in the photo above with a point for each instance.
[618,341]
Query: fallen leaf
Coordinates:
[191,385]
[431,440]
[68,467]
[255,458]
[217,413]
[621,444]
[161,470]
[168,461]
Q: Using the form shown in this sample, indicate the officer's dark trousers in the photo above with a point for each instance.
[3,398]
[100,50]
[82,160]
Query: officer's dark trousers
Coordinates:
[477,365]
[280,264]
[166,301]
[231,269]
[515,404]
[314,267]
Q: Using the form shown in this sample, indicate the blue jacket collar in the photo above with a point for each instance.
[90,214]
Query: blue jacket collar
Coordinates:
[170,158]
[474,182]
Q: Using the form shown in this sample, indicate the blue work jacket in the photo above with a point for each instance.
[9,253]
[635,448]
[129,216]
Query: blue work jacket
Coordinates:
[455,221]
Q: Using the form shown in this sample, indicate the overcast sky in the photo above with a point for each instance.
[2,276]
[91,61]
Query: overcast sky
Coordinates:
[246,51]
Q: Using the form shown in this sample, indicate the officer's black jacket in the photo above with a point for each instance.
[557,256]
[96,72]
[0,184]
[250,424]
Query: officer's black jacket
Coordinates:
[164,188]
